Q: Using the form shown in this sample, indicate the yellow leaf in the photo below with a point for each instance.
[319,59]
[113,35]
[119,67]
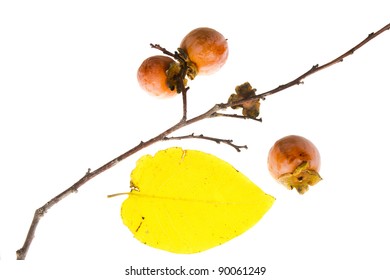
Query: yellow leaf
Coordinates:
[187,201]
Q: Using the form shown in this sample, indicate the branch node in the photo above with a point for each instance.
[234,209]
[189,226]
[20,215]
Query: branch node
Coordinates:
[40,212]
[133,187]
[20,254]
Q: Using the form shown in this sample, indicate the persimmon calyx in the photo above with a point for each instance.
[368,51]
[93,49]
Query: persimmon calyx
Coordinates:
[301,178]
[178,71]
[192,69]
[175,80]
[250,108]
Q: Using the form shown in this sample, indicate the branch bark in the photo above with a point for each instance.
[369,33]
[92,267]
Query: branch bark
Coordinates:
[213,139]
[316,68]
[212,112]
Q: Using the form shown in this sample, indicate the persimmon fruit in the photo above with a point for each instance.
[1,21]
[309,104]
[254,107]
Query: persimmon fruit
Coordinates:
[206,48]
[294,161]
[152,76]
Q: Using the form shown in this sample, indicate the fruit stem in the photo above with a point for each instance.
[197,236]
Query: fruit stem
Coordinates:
[117,194]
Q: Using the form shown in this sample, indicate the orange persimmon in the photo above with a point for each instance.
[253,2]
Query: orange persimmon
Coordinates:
[152,76]
[294,161]
[206,48]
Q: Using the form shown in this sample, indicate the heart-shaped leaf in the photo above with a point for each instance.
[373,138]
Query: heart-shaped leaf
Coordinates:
[188,201]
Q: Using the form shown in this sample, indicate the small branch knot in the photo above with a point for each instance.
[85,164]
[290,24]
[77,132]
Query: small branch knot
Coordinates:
[20,254]
[41,211]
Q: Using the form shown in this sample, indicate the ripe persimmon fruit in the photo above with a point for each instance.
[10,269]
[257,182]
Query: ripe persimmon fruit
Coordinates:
[294,161]
[206,48]
[152,76]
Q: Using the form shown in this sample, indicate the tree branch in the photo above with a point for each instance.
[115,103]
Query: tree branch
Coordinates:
[216,114]
[39,213]
[201,136]
[314,69]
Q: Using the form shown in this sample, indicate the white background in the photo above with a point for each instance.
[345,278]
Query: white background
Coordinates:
[69,101]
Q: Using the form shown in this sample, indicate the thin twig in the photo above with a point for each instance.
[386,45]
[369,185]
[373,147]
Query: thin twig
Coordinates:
[163,50]
[217,114]
[216,140]
[184,97]
[181,88]
[183,91]
[39,213]
[314,69]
